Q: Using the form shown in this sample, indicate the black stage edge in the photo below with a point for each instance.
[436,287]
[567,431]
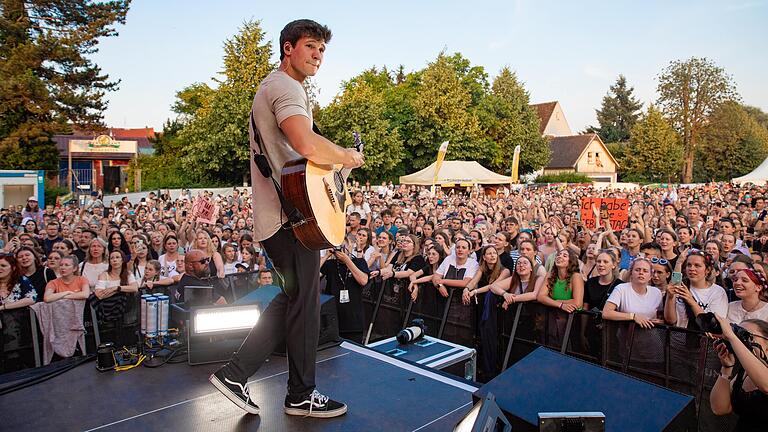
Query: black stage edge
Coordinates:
[383,394]
[547,381]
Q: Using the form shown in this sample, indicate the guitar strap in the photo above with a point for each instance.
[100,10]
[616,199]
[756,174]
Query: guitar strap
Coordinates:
[295,217]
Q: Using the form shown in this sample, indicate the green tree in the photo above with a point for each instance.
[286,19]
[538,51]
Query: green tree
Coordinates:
[655,150]
[619,112]
[759,115]
[168,141]
[216,137]
[732,144]
[689,91]
[443,111]
[190,99]
[473,78]
[402,115]
[361,107]
[619,152]
[508,120]
[46,77]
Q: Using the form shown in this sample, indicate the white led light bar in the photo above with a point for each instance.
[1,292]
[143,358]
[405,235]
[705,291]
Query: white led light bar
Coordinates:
[216,320]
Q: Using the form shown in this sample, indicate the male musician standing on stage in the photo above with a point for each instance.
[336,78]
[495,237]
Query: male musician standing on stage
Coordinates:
[283,118]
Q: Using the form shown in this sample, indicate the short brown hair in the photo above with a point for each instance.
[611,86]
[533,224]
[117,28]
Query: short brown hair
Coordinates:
[295,30]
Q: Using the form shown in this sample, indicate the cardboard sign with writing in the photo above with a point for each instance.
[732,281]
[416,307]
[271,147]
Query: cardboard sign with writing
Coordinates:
[205,210]
[614,209]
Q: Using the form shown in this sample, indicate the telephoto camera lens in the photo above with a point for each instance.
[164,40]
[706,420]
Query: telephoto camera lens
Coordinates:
[708,323]
[415,331]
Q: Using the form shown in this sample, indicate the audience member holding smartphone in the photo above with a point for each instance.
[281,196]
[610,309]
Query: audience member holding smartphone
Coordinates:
[742,389]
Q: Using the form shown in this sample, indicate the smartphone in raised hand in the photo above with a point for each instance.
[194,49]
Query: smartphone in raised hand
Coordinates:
[677,278]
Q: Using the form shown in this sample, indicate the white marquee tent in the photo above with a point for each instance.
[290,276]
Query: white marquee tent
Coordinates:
[455,173]
[758,176]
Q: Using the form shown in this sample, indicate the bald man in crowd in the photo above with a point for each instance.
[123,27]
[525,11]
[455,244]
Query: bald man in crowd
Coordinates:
[198,273]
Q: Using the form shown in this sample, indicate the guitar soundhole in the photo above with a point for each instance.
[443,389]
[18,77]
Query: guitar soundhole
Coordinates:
[339,181]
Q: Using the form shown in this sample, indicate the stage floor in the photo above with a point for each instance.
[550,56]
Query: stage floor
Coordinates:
[383,393]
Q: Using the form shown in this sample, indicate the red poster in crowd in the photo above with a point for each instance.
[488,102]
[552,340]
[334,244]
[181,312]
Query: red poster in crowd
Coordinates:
[205,210]
[615,210]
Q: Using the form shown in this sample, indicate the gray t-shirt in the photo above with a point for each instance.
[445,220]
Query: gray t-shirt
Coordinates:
[279,97]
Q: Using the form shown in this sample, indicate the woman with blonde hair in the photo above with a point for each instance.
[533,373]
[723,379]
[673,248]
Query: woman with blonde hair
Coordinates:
[95,262]
[203,243]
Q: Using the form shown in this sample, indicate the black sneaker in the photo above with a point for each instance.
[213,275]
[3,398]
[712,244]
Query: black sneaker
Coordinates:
[314,405]
[236,392]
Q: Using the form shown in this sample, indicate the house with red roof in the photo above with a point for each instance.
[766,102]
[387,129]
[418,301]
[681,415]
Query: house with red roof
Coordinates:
[552,120]
[584,154]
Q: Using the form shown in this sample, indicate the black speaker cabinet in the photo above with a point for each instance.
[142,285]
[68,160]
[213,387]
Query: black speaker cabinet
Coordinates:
[329,322]
[547,381]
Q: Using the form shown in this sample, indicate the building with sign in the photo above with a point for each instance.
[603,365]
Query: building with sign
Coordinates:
[100,161]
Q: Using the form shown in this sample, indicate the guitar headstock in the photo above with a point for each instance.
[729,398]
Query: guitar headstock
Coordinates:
[358,144]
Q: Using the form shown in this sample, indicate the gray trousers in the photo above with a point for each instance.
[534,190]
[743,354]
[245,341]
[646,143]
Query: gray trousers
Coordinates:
[293,321]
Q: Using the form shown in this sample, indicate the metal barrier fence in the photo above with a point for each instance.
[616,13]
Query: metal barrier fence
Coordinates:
[676,358]
[20,347]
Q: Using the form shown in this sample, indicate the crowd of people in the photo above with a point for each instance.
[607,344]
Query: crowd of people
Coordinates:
[685,251]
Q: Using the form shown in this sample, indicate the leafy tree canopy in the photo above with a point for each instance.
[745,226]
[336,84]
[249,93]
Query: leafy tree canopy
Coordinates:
[47,79]
[732,144]
[689,91]
[655,149]
[216,136]
[619,112]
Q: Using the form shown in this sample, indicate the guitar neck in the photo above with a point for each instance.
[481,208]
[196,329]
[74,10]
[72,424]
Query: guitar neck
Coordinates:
[345,172]
[358,147]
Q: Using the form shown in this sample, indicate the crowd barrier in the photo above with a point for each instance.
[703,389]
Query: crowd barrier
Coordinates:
[676,358]
[22,340]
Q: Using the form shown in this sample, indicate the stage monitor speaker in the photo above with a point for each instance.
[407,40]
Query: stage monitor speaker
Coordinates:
[547,381]
[329,325]
[329,322]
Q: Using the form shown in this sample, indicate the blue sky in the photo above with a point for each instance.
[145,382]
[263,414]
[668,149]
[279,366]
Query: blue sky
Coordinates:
[569,51]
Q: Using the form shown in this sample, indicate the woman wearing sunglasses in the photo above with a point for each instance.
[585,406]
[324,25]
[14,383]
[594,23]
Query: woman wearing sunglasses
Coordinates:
[667,239]
[635,300]
[660,276]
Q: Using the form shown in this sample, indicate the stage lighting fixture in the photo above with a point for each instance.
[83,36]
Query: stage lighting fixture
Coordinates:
[485,416]
[223,319]
[572,421]
[215,332]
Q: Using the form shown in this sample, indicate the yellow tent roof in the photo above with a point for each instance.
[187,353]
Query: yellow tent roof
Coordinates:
[455,172]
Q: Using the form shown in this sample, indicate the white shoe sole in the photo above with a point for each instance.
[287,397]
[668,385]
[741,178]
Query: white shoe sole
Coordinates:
[232,396]
[316,414]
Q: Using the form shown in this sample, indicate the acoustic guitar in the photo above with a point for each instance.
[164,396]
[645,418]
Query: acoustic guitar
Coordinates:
[320,193]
